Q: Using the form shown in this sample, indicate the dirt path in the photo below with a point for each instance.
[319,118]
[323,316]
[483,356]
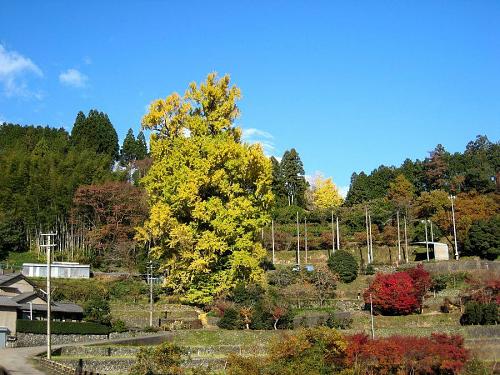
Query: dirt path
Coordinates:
[20,361]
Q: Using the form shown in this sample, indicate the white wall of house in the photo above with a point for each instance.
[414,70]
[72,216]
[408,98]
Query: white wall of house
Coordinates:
[8,317]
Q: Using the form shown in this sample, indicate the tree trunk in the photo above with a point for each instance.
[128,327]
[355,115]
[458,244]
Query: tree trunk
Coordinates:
[276,324]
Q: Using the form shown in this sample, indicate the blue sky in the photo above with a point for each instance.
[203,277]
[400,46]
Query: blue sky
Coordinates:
[351,85]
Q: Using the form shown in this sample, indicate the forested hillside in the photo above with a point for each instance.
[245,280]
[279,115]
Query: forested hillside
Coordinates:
[45,175]
[88,189]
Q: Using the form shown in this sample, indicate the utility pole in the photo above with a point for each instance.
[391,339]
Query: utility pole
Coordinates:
[371,238]
[452,199]
[333,236]
[305,237]
[432,232]
[371,315]
[338,234]
[272,235]
[48,245]
[298,240]
[399,238]
[367,236]
[426,240]
[406,241]
[150,277]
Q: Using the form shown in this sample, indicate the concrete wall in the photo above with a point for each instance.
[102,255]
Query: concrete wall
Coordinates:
[8,317]
[72,271]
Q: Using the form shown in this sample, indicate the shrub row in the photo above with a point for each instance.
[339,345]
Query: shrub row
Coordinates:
[62,328]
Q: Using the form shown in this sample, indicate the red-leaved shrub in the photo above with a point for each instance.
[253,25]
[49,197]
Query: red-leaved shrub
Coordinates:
[392,294]
[399,293]
[438,354]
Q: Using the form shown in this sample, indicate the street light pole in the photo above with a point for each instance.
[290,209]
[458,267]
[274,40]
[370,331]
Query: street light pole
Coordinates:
[452,199]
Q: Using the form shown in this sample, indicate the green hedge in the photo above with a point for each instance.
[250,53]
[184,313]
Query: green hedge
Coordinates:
[62,328]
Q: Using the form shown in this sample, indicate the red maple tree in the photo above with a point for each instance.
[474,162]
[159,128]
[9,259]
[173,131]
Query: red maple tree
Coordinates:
[392,294]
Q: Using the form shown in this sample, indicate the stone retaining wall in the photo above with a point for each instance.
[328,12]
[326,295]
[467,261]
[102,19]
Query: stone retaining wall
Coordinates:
[98,351]
[33,339]
[104,365]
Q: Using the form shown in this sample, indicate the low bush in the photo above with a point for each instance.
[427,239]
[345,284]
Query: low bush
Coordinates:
[480,313]
[231,319]
[344,264]
[370,270]
[164,359]
[118,326]
[438,354]
[439,283]
[97,310]
[339,321]
[62,328]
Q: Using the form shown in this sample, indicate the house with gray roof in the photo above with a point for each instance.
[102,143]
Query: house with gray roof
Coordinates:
[20,298]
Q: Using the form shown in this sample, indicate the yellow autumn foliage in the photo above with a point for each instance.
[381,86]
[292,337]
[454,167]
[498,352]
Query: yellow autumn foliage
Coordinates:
[209,193]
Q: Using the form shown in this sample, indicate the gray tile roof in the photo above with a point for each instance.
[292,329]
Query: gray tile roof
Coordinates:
[8,302]
[56,307]
[5,278]
[21,297]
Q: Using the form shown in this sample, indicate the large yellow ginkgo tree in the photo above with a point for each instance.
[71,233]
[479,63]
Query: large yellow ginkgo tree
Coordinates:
[209,193]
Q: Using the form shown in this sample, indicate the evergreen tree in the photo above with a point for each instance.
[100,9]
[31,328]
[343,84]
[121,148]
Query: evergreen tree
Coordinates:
[278,183]
[129,148]
[358,190]
[141,146]
[295,183]
[95,132]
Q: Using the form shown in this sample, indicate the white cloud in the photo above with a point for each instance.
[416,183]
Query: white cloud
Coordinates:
[265,139]
[74,78]
[13,70]
[87,60]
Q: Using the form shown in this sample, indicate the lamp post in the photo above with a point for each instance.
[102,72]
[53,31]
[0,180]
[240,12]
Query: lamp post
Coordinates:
[452,199]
